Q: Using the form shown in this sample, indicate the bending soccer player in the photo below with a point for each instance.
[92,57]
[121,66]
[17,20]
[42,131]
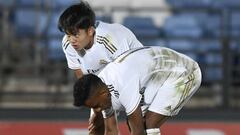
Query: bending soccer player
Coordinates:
[150,84]
[89,45]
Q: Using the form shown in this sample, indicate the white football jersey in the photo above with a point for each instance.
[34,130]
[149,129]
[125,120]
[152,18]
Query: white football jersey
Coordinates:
[110,41]
[128,75]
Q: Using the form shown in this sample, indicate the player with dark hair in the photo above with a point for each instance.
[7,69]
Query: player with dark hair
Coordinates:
[150,84]
[89,45]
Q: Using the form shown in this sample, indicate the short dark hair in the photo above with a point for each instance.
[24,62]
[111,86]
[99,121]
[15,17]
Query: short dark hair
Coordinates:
[75,17]
[84,88]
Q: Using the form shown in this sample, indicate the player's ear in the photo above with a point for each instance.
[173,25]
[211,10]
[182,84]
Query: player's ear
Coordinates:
[91,31]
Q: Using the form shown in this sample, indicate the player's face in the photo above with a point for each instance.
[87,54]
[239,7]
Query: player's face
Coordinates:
[100,101]
[82,39]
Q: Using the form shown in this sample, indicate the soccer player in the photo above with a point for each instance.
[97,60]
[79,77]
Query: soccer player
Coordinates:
[89,45]
[150,84]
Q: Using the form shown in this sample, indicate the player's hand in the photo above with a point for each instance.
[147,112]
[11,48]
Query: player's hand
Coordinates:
[96,124]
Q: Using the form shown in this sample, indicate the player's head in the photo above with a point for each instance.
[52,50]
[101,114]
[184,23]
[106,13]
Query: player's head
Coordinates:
[77,22]
[90,91]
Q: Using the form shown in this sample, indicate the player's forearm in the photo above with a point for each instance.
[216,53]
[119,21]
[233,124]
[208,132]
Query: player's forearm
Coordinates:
[138,132]
[111,127]
[111,130]
[136,122]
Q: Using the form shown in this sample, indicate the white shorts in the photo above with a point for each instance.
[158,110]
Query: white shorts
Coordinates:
[169,98]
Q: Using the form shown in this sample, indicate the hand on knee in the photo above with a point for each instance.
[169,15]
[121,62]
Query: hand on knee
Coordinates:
[96,124]
[153,131]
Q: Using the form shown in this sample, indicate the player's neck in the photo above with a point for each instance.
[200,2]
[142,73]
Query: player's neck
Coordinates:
[82,52]
[90,43]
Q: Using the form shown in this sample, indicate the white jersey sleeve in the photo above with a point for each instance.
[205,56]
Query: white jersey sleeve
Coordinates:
[118,39]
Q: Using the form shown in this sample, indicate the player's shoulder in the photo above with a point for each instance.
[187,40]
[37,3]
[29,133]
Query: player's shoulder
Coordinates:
[112,33]
[65,42]
[67,48]
[104,28]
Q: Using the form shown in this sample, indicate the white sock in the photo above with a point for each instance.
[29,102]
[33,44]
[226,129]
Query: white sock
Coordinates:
[153,131]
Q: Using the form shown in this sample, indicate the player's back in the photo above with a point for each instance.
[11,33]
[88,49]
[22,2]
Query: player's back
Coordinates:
[147,62]
[139,68]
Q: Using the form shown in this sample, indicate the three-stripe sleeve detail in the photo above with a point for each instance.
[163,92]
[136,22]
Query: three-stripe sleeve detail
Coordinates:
[66,44]
[107,44]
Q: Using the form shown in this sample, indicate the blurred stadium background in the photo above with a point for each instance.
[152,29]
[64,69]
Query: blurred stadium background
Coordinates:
[36,85]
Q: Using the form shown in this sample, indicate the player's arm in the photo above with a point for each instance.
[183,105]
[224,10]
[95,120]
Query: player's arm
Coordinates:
[70,54]
[78,73]
[96,123]
[136,123]
[111,127]
[110,121]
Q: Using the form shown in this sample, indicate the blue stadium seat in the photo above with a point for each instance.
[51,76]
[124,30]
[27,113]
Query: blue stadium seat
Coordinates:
[7,6]
[55,52]
[154,42]
[142,27]
[211,60]
[184,46]
[211,51]
[62,4]
[7,3]
[235,46]
[210,45]
[29,3]
[42,23]
[235,23]
[212,74]
[29,22]
[53,29]
[24,27]
[212,25]
[235,49]
[182,26]
[225,3]
[104,18]
[190,3]
[181,44]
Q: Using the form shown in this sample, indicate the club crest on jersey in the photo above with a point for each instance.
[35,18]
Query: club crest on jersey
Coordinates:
[103,62]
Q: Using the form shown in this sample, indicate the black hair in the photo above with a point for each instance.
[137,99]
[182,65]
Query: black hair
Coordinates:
[75,17]
[84,88]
